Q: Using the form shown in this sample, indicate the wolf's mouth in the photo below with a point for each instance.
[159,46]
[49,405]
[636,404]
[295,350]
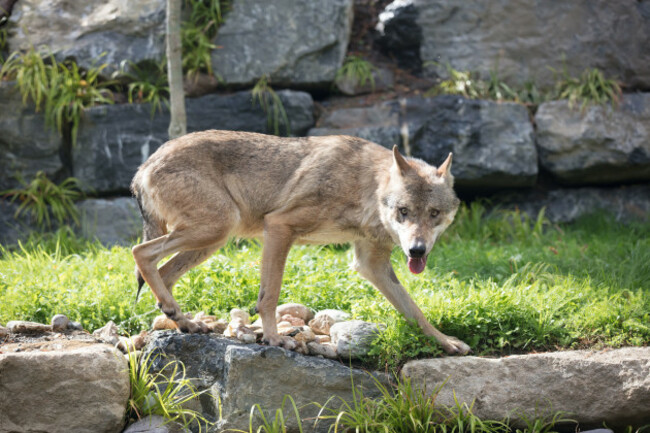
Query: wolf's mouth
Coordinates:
[417,265]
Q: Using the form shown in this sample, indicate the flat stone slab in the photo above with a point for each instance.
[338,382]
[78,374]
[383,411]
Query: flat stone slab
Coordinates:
[62,386]
[611,386]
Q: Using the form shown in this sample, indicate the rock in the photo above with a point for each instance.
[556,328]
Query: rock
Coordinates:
[323,339]
[60,323]
[115,221]
[596,145]
[25,327]
[382,79]
[162,322]
[492,142]
[471,36]
[244,375]
[326,350]
[353,339]
[399,35]
[294,321]
[247,338]
[324,320]
[205,318]
[3,331]
[295,310]
[237,313]
[108,333]
[133,30]
[114,140]
[305,335]
[26,144]
[218,326]
[132,344]
[80,387]
[377,123]
[625,203]
[611,386]
[75,326]
[155,424]
[297,43]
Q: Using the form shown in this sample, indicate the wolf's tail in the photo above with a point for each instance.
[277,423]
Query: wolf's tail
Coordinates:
[151,229]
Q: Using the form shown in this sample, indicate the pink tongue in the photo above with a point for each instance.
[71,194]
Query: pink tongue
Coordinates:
[417,265]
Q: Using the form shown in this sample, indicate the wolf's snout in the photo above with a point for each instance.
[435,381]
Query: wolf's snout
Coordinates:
[417,251]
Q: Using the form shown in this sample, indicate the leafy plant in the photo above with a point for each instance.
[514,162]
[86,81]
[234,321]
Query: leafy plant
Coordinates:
[459,83]
[148,84]
[70,92]
[276,425]
[590,88]
[64,88]
[32,74]
[270,102]
[42,199]
[405,408]
[3,43]
[161,394]
[356,70]
[198,32]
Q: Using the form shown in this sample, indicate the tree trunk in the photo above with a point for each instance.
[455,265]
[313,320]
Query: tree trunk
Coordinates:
[178,122]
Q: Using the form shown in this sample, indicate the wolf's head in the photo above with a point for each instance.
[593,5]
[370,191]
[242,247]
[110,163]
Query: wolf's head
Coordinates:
[417,204]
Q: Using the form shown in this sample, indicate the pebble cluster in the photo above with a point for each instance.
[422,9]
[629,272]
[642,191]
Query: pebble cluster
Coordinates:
[328,333]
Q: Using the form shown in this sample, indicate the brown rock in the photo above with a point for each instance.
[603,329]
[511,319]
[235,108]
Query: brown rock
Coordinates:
[218,326]
[295,310]
[163,322]
[24,327]
[295,321]
[108,333]
[238,313]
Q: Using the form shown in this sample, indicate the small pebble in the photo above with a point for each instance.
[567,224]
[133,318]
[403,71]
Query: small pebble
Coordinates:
[75,326]
[24,327]
[163,322]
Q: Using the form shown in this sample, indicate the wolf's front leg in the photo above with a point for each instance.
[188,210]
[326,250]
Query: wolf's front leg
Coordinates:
[277,243]
[373,263]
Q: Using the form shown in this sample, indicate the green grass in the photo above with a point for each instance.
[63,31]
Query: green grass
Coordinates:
[502,282]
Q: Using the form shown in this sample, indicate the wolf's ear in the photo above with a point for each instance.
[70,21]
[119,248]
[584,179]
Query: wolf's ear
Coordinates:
[443,170]
[400,162]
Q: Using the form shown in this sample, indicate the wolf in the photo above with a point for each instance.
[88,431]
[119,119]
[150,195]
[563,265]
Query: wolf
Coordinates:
[198,191]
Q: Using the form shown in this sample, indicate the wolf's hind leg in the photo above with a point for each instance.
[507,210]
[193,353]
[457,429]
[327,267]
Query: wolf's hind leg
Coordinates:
[147,255]
[373,263]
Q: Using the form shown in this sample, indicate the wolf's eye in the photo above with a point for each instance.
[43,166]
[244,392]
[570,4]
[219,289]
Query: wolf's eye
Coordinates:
[435,213]
[403,211]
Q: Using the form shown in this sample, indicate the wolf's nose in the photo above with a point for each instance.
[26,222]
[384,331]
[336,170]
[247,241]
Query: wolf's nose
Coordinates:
[417,251]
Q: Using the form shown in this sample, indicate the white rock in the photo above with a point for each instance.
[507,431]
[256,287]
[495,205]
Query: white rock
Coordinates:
[108,333]
[353,339]
[60,323]
[327,350]
[295,310]
[238,313]
[324,320]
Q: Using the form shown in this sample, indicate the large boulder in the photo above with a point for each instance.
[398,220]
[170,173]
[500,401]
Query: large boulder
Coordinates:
[293,42]
[27,145]
[492,142]
[526,37]
[399,36]
[91,31]
[113,221]
[625,203]
[597,144]
[377,123]
[114,140]
[67,386]
[245,375]
[594,387]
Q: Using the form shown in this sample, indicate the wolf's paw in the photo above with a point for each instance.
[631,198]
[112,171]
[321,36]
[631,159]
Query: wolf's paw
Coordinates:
[454,346]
